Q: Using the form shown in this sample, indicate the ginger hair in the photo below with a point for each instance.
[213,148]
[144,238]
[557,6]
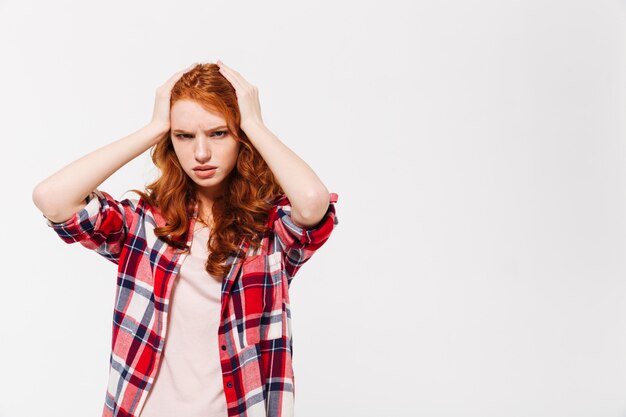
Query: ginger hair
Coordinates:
[241,212]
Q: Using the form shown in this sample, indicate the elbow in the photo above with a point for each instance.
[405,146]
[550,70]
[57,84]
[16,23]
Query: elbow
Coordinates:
[41,199]
[44,200]
[314,210]
[38,197]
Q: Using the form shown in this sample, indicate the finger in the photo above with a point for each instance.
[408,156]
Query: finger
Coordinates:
[221,64]
[232,78]
[232,72]
[235,78]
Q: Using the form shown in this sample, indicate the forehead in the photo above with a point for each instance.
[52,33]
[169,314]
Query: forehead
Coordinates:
[189,115]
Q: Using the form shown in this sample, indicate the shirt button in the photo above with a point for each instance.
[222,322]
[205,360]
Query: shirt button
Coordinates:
[229,385]
[223,347]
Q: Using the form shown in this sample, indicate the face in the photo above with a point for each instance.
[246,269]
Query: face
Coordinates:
[201,138]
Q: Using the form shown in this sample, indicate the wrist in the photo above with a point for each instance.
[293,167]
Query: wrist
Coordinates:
[252,125]
[154,132]
[157,128]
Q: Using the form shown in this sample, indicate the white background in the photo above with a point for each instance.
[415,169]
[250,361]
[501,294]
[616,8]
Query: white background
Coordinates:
[478,151]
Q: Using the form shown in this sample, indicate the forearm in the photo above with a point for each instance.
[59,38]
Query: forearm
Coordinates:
[307,194]
[61,194]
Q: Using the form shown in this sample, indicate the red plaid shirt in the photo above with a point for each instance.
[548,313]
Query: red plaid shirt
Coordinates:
[254,337]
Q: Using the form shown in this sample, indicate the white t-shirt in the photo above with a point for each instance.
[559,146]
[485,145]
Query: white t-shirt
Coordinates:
[189,380]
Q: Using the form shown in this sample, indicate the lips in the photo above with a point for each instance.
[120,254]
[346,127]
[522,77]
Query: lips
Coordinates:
[205,173]
[204,168]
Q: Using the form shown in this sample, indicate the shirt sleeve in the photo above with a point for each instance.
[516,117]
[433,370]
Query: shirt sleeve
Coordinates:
[102,225]
[299,244]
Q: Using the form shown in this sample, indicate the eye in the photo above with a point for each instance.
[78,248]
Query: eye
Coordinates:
[182,134]
[185,135]
[223,133]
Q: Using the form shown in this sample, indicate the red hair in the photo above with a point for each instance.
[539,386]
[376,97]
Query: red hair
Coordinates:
[242,211]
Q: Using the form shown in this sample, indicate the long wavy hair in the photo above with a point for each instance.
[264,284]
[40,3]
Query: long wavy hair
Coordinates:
[241,212]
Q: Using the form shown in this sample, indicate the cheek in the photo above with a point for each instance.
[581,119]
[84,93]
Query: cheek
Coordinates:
[234,152]
[180,152]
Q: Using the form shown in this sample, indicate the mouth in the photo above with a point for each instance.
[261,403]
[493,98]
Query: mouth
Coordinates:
[205,172]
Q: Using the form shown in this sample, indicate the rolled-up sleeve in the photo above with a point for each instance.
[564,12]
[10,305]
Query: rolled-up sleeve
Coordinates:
[299,244]
[102,225]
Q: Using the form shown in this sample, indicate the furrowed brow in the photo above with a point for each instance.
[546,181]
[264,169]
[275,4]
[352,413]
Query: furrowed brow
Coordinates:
[206,131]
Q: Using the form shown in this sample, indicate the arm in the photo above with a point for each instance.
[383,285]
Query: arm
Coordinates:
[103,225]
[77,211]
[308,196]
[98,221]
[65,192]
[303,218]
[299,244]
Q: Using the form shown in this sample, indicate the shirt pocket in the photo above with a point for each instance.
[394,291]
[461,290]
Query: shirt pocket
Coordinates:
[259,306]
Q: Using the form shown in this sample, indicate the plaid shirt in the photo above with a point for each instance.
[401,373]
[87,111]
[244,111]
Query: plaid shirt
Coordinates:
[254,337]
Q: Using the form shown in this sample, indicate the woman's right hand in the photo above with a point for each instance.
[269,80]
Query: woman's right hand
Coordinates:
[161,113]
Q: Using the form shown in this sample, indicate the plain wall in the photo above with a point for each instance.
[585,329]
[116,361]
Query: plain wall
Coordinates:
[478,151]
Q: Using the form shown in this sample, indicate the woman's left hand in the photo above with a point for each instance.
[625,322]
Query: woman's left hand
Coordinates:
[247,96]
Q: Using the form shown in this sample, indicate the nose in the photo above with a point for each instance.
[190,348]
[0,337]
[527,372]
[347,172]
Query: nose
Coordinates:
[202,150]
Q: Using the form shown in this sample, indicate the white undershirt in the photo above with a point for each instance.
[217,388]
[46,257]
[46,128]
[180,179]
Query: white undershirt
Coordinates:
[189,380]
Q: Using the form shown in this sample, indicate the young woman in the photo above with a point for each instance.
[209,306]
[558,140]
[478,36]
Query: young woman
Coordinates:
[205,256]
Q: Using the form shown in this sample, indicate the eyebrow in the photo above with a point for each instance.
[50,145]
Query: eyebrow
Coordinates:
[206,131]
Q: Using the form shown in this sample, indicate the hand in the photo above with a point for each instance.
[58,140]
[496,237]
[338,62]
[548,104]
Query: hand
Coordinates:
[247,96]
[161,113]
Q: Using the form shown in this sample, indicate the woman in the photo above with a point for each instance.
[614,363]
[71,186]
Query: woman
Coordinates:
[205,257]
